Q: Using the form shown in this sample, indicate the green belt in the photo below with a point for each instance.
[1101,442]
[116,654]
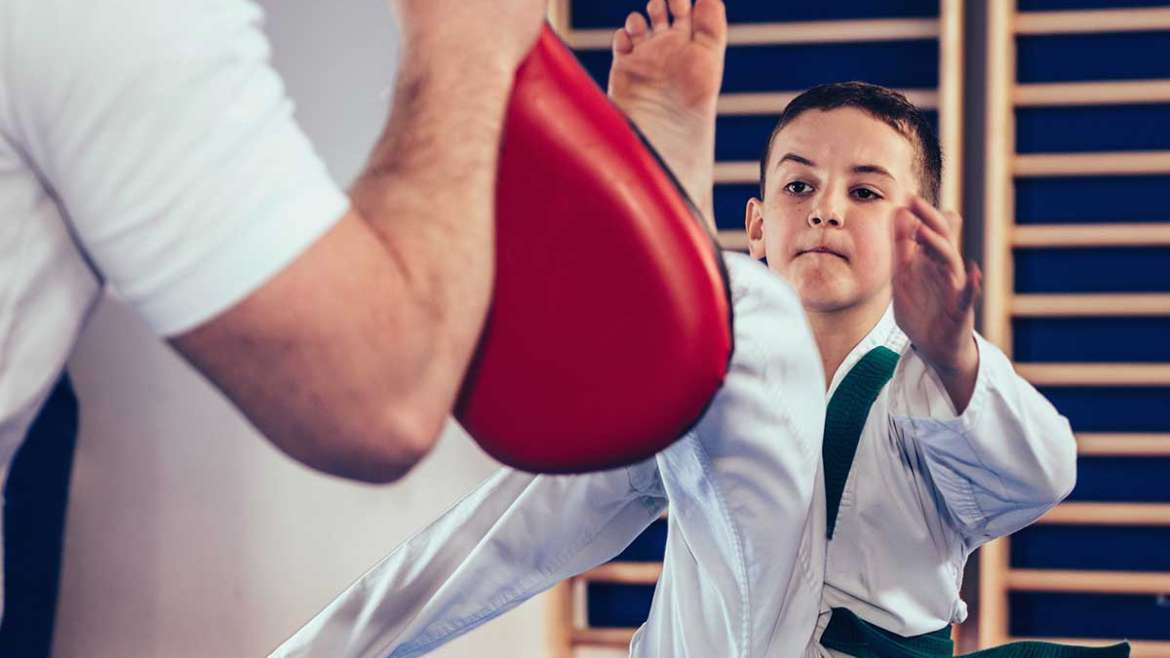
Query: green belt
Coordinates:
[844,420]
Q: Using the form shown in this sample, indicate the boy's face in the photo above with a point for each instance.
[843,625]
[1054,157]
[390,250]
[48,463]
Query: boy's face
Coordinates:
[835,179]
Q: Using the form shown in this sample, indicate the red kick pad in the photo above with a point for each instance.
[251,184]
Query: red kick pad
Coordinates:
[610,326]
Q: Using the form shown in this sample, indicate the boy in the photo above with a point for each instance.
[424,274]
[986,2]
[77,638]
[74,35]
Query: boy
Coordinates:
[954,451]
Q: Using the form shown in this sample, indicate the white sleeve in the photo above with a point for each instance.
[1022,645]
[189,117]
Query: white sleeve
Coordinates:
[169,141]
[1002,463]
[514,537]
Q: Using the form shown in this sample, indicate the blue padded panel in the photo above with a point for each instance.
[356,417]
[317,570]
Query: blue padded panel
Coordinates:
[1112,409]
[627,605]
[1091,339]
[1113,56]
[731,204]
[1093,128]
[901,64]
[597,63]
[1056,5]
[1090,199]
[1114,269]
[1123,480]
[1140,548]
[617,606]
[1089,616]
[648,547]
[743,137]
[611,14]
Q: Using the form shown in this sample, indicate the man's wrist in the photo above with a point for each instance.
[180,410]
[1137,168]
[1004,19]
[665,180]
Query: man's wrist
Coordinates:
[448,57]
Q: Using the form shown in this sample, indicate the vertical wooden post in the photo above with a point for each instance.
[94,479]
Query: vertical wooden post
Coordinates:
[950,101]
[999,208]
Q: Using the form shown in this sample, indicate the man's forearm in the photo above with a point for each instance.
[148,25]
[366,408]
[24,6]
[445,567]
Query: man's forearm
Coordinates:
[429,194]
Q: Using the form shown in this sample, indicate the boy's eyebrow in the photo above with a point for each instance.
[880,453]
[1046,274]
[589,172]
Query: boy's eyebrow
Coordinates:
[857,169]
[800,159]
[872,169]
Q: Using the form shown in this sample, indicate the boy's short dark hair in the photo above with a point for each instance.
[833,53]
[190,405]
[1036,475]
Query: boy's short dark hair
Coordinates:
[881,103]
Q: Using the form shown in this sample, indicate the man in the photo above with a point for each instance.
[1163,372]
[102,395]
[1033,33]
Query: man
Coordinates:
[149,145]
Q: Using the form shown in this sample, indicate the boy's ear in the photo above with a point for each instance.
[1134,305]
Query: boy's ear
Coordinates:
[754,224]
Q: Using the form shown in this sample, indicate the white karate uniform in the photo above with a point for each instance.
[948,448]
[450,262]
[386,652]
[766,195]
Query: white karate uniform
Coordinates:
[928,487]
[747,571]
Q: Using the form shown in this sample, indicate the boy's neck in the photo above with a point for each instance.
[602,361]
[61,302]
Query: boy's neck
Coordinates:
[838,331]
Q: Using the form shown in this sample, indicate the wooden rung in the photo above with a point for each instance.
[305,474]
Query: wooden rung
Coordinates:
[1123,445]
[1051,94]
[618,638]
[1096,374]
[625,573]
[1099,305]
[558,16]
[774,34]
[737,173]
[1153,234]
[1092,21]
[1139,648]
[1099,582]
[1108,514]
[1092,164]
[774,103]
[754,103]
[733,239]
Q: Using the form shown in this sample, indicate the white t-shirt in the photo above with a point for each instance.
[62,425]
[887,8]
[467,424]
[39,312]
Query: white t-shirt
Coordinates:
[150,146]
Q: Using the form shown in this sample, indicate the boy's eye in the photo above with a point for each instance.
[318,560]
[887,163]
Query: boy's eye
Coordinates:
[798,187]
[865,194]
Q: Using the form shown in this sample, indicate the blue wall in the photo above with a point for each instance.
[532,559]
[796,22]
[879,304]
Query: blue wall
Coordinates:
[1096,199]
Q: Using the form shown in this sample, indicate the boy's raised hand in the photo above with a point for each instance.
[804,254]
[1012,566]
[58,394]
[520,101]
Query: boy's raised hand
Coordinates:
[935,294]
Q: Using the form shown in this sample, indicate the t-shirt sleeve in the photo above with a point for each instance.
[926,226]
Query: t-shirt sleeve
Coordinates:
[169,141]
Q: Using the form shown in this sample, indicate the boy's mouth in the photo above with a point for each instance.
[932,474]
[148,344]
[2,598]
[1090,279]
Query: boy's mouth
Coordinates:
[823,250]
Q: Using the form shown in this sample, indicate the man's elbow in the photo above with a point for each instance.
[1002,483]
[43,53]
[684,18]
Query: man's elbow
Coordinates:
[376,448]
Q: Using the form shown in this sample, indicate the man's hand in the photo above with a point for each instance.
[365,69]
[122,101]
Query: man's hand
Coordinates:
[477,32]
[935,295]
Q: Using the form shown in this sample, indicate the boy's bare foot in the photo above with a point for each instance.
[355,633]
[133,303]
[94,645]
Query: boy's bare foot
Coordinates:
[666,76]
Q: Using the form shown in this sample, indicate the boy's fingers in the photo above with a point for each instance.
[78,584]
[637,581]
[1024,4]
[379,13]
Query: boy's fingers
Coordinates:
[905,230]
[930,216]
[954,220]
[974,287]
[938,248]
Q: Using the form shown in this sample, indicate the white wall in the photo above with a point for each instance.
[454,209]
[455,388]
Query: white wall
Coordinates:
[187,534]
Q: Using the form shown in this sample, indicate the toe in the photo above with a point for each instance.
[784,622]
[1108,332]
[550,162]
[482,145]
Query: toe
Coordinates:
[680,14]
[623,44]
[659,18]
[710,21]
[636,28]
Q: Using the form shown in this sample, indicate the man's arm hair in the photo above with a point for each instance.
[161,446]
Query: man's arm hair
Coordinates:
[350,359]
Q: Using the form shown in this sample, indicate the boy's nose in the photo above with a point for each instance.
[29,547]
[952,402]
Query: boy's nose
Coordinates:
[818,217]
